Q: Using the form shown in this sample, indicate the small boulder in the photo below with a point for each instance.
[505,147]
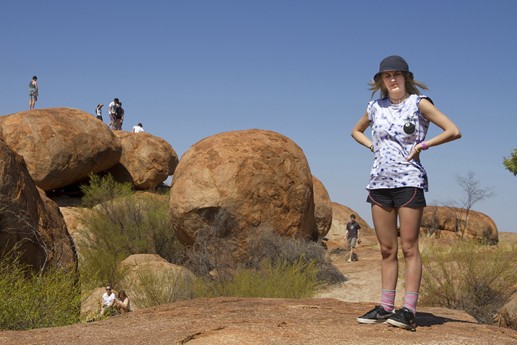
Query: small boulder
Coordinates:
[146,160]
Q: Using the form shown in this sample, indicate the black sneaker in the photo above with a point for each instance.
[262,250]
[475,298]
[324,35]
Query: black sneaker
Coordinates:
[376,315]
[403,318]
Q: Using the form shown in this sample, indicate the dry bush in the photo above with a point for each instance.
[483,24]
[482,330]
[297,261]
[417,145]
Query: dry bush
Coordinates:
[271,280]
[465,275]
[270,246]
[155,288]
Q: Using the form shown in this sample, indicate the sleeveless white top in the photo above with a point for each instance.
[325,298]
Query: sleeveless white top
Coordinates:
[392,145]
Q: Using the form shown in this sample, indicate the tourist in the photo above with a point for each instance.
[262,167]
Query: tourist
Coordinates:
[399,120]
[108,301]
[352,236]
[138,128]
[33,92]
[98,111]
[123,304]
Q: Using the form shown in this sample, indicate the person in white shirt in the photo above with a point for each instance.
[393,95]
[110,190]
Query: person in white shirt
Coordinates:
[108,300]
[138,128]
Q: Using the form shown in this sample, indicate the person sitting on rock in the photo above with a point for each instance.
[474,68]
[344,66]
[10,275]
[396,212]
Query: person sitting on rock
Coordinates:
[123,304]
[108,301]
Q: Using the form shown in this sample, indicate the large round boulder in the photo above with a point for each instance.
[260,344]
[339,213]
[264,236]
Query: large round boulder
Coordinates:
[60,146]
[449,223]
[146,160]
[322,208]
[235,183]
[31,224]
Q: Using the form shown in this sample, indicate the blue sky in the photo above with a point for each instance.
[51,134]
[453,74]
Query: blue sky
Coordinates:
[193,68]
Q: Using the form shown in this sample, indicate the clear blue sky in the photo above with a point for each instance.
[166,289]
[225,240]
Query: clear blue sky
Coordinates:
[191,69]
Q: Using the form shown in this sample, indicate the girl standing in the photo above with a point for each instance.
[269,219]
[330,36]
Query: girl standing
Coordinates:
[399,122]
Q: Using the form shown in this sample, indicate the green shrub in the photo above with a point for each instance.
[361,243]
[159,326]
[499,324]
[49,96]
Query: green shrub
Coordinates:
[468,276]
[103,188]
[118,228]
[272,280]
[33,300]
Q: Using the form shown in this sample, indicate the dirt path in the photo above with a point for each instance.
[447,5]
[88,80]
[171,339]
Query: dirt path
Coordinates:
[363,276]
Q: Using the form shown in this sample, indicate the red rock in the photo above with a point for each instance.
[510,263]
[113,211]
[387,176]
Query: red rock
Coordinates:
[60,146]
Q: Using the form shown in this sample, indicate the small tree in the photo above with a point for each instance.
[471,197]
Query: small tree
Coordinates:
[511,162]
[472,194]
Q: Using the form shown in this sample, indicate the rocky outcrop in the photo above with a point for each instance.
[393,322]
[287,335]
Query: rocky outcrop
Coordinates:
[449,223]
[30,221]
[322,208]
[146,160]
[340,217]
[261,321]
[239,182]
[60,146]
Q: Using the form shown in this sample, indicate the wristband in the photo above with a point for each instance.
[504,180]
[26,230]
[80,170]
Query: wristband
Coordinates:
[424,145]
[371,148]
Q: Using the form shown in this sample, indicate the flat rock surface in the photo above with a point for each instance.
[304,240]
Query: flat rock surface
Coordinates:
[328,319]
[265,321]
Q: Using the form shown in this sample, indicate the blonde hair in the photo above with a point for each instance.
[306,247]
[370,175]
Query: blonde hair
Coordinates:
[412,86]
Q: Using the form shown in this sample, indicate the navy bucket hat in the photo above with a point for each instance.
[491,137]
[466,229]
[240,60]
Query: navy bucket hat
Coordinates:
[393,63]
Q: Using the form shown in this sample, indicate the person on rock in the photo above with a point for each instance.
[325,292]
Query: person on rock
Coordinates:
[33,92]
[123,304]
[399,121]
[108,301]
[139,128]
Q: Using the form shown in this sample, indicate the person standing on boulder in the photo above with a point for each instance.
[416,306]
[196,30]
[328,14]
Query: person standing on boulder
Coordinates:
[33,92]
[399,122]
[352,236]
[98,111]
[112,108]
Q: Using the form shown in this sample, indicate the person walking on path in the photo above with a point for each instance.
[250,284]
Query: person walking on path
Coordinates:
[33,92]
[352,236]
[399,121]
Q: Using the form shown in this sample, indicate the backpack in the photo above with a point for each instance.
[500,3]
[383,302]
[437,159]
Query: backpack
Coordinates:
[118,112]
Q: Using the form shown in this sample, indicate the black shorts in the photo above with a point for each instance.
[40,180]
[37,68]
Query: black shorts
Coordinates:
[397,197]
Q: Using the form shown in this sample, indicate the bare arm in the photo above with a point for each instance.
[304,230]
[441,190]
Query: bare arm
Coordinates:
[450,131]
[358,131]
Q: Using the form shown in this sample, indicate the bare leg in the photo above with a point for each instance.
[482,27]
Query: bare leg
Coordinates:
[385,223]
[409,229]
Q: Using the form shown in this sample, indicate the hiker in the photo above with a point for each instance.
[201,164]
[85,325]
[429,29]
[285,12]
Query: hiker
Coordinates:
[139,128]
[108,301]
[123,304]
[352,236]
[111,112]
[399,122]
[119,117]
[33,92]
[98,111]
